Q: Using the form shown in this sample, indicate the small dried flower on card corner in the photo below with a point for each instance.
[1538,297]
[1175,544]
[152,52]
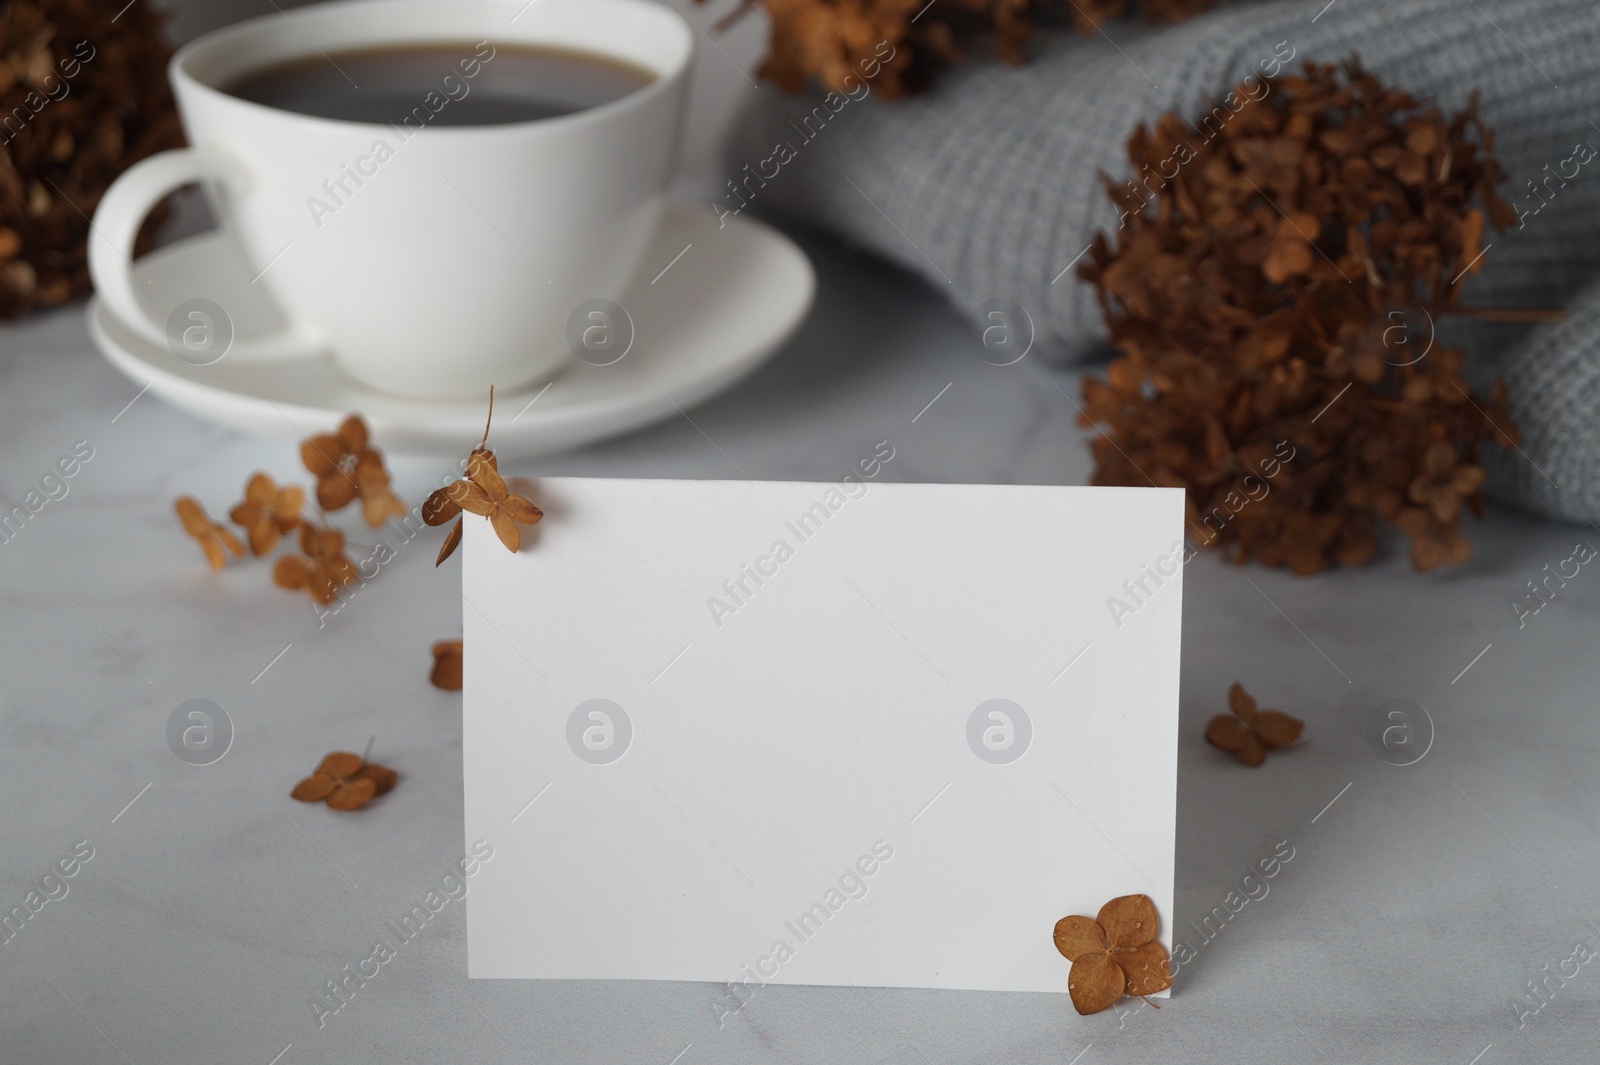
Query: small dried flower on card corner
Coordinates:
[1114,954]
[483,492]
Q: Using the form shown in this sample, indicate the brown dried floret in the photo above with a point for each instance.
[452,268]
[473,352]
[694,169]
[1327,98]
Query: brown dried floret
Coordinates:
[481,492]
[345,782]
[84,96]
[267,511]
[322,569]
[215,539]
[1113,955]
[347,467]
[1250,732]
[1272,292]
[447,665]
[898,46]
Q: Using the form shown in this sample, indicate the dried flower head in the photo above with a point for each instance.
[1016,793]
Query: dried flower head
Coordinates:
[481,492]
[83,97]
[1250,732]
[322,569]
[267,511]
[347,467]
[1114,955]
[1272,293]
[447,665]
[898,46]
[345,781]
[214,538]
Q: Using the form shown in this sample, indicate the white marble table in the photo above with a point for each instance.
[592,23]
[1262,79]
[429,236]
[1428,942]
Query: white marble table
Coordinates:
[1419,901]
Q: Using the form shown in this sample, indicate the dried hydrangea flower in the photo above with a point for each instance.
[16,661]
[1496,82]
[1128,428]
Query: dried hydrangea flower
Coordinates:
[267,512]
[899,46]
[347,467]
[1250,732]
[481,492]
[447,665]
[215,539]
[322,570]
[1272,292]
[345,782]
[1113,955]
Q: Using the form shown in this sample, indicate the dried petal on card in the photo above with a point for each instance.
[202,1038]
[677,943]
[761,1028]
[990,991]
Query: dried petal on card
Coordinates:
[1095,982]
[1147,967]
[1129,920]
[1076,936]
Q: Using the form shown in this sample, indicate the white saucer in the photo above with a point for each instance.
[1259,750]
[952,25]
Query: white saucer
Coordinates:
[722,300]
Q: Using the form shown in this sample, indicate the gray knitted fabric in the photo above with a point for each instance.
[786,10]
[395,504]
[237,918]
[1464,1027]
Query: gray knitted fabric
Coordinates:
[988,185]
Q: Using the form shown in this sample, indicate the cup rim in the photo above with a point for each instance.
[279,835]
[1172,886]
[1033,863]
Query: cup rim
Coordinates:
[179,73]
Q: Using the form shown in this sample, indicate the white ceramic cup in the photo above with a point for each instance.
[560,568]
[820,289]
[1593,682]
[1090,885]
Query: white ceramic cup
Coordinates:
[454,256]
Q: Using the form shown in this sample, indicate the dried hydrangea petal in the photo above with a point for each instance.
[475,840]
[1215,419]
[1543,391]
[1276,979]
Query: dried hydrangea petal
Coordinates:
[1095,982]
[314,788]
[1147,968]
[352,795]
[1076,936]
[1129,920]
[1276,728]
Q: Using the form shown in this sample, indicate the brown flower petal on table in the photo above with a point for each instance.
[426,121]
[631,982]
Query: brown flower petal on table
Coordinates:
[345,782]
[347,468]
[267,511]
[322,571]
[1251,732]
[1229,735]
[1113,955]
[447,665]
[215,539]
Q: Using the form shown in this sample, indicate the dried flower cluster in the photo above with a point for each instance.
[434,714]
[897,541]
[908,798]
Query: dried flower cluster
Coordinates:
[83,96]
[1250,732]
[1272,294]
[1115,954]
[345,781]
[900,45]
[346,468]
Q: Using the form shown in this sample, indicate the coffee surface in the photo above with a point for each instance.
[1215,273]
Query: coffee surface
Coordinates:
[442,84]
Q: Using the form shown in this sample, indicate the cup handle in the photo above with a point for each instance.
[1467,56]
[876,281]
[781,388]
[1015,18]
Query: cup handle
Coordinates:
[116,226]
